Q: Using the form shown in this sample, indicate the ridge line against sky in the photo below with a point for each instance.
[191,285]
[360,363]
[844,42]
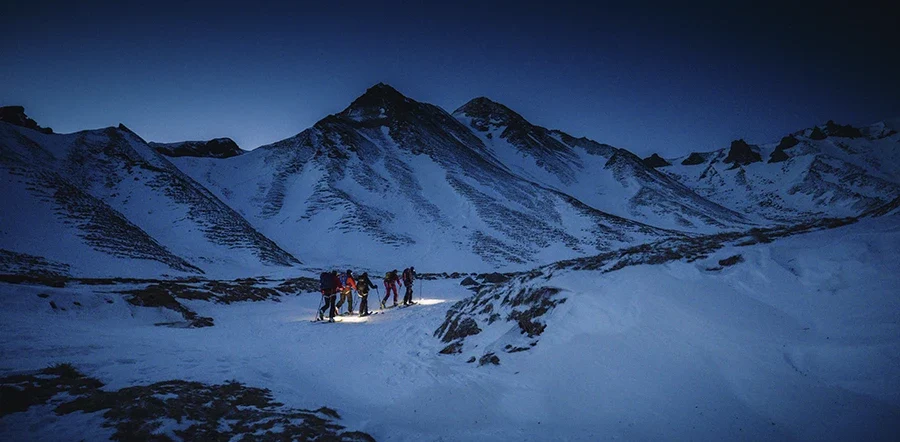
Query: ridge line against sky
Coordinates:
[644,77]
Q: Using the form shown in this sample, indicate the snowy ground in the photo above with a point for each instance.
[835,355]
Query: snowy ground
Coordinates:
[800,342]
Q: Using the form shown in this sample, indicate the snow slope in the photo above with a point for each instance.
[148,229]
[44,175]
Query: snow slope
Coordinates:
[606,178]
[800,341]
[79,197]
[390,181]
[834,176]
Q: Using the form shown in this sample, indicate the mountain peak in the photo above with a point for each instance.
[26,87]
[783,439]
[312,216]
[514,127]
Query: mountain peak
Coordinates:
[484,112]
[383,91]
[485,107]
[742,153]
[655,161]
[376,103]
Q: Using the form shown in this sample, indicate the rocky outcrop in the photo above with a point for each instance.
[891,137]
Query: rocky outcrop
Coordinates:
[693,159]
[16,115]
[742,153]
[216,148]
[788,142]
[135,412]
[817,134]
[778,155]
[655,161]
[836,130]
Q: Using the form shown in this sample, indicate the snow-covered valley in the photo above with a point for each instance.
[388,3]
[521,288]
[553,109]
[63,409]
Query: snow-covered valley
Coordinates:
[797,340]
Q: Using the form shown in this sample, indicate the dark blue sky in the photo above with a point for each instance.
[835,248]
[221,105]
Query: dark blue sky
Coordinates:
[648,78]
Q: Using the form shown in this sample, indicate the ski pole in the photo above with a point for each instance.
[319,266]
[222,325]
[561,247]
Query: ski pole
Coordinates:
[377,292]
[319,308]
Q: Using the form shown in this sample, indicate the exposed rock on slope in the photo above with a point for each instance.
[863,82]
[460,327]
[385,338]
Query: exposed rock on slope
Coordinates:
[137,412]
[778,156]
[693,159]
[516,312]
[741,153]
[215,148]
[15,115]
[655,161]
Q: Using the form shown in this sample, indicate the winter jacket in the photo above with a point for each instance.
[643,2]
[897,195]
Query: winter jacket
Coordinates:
[348,283]
[408,276]
[364,285]
[391,278]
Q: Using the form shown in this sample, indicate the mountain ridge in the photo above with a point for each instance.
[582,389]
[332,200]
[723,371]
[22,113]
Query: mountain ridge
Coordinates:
[482,185]
[379,147]
[114,180]
[214,148]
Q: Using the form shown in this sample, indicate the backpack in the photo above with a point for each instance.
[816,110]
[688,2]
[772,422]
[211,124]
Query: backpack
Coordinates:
[344,279]
[388,277]
[326,281]
[407,275]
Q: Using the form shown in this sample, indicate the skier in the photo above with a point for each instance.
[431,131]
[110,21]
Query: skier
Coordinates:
[362,288]
[328,283]
[348,285]
[409,275]
[391,280]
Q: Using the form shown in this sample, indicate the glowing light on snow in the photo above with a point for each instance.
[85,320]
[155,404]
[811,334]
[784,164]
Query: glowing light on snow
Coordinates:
[430,301]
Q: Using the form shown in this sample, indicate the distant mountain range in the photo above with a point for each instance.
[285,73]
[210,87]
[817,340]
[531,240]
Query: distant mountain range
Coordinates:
[391,181]
[835,171]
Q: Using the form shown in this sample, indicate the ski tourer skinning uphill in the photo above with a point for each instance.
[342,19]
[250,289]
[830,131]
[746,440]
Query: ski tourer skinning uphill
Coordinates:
[328,284]
[391,281]
[363,285]
[409,275]
[348,285]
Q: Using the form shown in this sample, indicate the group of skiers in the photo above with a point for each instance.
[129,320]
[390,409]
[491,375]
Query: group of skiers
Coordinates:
[332,283]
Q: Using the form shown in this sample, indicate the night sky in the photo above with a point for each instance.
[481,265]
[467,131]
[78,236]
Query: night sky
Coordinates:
[648,78]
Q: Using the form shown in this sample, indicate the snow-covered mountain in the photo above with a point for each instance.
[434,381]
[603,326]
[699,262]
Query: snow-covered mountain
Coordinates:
[390,180]
[105,203]
[606,178]
[830,171]
[782,331]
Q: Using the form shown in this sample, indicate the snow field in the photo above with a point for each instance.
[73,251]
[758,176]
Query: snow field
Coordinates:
[798,342]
